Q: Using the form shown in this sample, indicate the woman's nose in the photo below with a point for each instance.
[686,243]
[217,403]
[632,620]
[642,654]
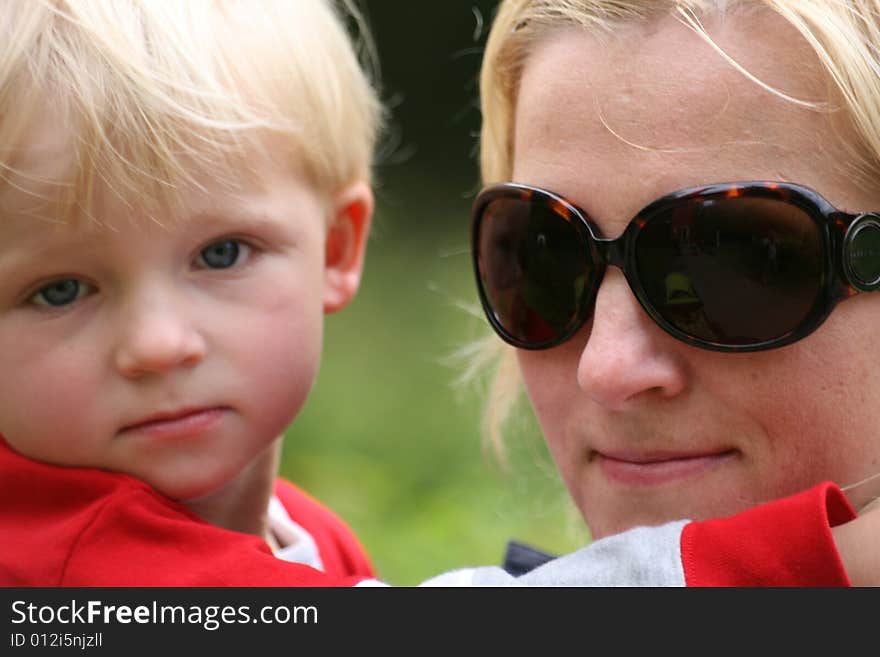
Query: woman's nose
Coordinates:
[627,356]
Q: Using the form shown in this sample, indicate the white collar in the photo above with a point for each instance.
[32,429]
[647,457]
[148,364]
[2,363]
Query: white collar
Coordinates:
[294,542]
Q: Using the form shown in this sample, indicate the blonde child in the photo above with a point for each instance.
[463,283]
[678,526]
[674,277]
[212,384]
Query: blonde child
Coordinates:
[184,193]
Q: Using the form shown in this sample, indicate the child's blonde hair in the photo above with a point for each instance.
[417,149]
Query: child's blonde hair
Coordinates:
[151,93]
[845,36]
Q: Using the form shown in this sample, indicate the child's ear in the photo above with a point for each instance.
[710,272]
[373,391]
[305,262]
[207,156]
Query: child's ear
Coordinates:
[346,244]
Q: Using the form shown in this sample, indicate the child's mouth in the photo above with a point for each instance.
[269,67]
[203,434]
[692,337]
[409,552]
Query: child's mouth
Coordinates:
[179,423]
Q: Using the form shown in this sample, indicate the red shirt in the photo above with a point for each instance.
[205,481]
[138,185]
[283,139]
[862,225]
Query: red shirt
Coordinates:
[63,526]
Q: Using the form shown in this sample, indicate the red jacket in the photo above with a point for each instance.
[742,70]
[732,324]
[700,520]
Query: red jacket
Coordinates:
[85,527]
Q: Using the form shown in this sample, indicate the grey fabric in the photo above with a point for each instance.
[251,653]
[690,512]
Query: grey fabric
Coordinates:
[644,556]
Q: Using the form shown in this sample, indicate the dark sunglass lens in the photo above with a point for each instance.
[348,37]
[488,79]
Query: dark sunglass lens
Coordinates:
[734,271]
[533,269]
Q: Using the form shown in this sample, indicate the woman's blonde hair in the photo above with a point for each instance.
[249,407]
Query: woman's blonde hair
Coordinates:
[151,93]
[844,35]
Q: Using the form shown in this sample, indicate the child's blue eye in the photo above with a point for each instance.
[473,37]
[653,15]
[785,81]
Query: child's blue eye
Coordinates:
[60,293]
[222,254]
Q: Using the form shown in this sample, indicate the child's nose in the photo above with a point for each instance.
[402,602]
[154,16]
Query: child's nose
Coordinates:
[157,336]
[626,356]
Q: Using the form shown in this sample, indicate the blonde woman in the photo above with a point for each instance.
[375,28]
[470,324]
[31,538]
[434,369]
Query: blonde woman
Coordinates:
[679,241]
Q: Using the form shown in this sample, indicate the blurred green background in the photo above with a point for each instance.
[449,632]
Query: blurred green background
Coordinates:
[388,439]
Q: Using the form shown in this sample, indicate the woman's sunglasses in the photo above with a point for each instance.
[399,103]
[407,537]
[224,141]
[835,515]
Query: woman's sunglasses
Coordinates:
[726,267]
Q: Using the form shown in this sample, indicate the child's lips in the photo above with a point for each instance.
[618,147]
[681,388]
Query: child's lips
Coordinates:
[656,469]
[178,423]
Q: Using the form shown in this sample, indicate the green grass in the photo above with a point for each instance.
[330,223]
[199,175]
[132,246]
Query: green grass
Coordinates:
[390,442]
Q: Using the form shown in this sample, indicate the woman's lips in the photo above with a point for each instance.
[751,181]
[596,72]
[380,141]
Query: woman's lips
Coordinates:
[178,424]
[637,470]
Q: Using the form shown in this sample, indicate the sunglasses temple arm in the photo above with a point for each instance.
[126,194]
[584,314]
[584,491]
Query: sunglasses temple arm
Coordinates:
[839,223]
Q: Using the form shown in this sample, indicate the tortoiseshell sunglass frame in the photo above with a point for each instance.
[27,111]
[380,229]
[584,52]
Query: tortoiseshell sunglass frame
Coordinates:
[837,232]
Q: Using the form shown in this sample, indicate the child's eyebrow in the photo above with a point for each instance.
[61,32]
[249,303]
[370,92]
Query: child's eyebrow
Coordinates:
[233,216]
[30,252]
[273,224]
[25,241]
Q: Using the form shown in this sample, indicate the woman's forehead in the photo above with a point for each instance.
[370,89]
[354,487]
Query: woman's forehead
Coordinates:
[663,74]
[660,103]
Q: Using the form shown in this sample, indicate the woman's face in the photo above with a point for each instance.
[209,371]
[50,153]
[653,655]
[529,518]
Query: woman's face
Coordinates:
[644,428]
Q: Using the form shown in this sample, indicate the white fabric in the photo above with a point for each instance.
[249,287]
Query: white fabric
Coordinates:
[644,556]
[371,583]
[295,543]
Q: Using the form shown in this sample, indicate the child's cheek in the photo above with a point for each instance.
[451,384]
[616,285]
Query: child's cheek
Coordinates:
[46,409]
[280,361]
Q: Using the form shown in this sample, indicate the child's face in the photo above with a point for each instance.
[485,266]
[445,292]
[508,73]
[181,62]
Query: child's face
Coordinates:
[644,428]
[175,354]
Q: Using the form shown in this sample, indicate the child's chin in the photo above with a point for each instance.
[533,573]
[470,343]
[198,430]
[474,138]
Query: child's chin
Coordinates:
[192,491]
